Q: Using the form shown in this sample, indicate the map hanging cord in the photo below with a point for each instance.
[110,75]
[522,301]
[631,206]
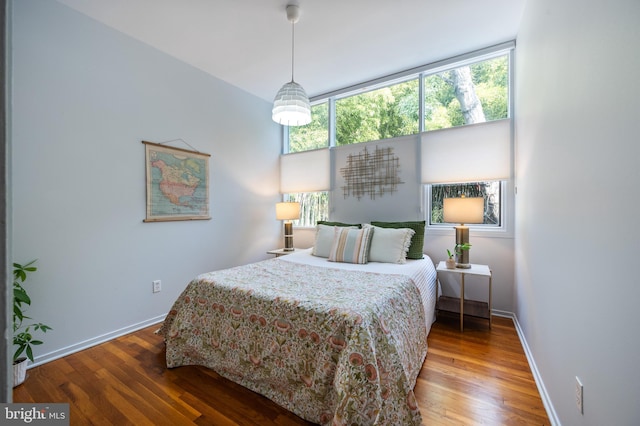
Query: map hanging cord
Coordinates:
[179,140]
[164,146]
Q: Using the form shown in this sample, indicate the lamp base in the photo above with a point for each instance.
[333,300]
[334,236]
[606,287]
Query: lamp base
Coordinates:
[288,236]
[462,256]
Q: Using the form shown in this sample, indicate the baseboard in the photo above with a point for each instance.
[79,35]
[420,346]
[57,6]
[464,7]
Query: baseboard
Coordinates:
[48,357]
[544,395]
[499,313]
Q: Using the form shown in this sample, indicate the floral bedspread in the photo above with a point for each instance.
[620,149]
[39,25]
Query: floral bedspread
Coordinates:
[332,346]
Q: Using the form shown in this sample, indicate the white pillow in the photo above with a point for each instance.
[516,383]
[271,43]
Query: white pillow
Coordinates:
[324,239]
[390,245]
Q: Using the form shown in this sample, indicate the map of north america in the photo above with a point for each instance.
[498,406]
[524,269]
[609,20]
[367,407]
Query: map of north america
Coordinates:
[178,185]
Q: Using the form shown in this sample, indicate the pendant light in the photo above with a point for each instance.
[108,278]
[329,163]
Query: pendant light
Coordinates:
[291,106]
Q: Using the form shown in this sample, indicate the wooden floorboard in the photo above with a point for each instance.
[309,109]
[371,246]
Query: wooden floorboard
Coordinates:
[479,376]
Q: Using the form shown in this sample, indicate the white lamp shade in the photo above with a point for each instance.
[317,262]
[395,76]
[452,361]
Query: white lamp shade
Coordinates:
[287,211]
[463,210]
[307,171]
[291,106]
[473,153]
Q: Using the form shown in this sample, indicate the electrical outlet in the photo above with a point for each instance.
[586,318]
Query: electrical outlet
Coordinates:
[157,286]
[579,399]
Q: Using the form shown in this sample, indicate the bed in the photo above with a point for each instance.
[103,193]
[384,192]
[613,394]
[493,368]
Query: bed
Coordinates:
[333,342]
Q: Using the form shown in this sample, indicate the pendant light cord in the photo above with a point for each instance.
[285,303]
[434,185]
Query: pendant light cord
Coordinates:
[293,38]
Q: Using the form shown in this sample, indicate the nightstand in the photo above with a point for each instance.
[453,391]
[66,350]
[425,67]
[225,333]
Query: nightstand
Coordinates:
[460,305]
[280,252]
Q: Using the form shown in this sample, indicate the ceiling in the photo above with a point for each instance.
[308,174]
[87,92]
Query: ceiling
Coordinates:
[338,43]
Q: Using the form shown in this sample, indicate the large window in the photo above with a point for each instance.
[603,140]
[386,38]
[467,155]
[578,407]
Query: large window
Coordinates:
[470,93]
[475,88]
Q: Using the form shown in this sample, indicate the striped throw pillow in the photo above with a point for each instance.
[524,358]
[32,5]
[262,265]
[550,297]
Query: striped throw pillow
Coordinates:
[351,245]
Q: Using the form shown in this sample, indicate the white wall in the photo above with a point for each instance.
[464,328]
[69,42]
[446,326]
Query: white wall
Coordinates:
[84,97]
[577,239]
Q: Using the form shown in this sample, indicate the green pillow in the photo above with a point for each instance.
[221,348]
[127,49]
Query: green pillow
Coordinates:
[326,222]
[417,241]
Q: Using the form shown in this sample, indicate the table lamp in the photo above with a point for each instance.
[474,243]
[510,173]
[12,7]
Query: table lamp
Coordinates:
[463,210]
[288,211]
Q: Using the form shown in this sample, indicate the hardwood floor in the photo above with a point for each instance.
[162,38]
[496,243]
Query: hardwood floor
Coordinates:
[480,376]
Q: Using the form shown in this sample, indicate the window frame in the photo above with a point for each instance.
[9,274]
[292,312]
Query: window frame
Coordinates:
[420,72]
[502,230]
[296,225]
[507,190]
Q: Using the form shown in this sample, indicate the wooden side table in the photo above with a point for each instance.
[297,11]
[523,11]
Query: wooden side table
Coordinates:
[280,252]
[460,305]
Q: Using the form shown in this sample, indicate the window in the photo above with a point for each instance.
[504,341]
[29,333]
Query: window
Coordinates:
[466,95]
[378,114]
[314,206]
[491,192]
[315,134]
[454,93]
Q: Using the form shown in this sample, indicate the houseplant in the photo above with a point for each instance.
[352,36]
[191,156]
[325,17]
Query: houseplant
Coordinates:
[460,247]
[22,338]
[450,262]
[462,261]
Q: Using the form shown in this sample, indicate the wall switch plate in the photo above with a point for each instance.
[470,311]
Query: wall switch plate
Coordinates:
[157,286]
[579,398]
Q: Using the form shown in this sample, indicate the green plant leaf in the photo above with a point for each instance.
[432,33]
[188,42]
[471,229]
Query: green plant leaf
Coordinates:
[29,353]
[21,296]
[18,352]
[17,313]
[23,340]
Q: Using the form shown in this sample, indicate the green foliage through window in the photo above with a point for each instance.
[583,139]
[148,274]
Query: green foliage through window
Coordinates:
[314,206]
[471,94]
[315,134]
[379,114]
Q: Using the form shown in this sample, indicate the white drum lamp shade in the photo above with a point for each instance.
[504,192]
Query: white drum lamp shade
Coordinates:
[463,210]
[287,211]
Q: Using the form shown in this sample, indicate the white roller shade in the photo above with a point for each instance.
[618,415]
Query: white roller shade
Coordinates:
[306,171]
[472,153]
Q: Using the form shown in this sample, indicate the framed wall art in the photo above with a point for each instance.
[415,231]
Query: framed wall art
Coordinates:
[177,183]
